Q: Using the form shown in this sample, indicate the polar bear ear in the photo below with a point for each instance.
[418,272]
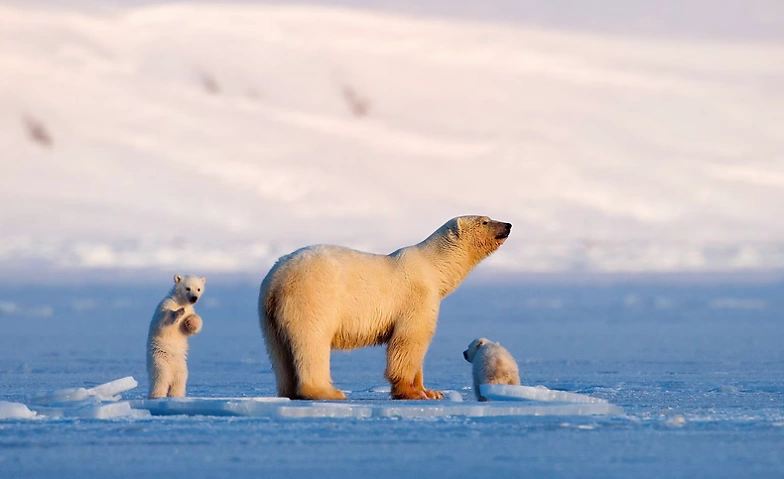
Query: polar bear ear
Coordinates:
[203,280]
[455,227]
[177,278]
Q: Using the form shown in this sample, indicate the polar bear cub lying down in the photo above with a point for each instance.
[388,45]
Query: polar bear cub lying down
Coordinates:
[167,343]
[492,364]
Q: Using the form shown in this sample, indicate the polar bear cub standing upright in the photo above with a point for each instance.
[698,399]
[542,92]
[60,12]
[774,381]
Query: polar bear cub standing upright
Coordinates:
[167,342]
[492,364]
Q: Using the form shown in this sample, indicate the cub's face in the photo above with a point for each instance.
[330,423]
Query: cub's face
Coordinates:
[485,235]
[470,353]
[188,288]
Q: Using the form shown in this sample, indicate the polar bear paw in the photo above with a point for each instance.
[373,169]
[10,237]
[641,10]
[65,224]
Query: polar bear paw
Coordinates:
[191,325]
[400,391]
[431,394]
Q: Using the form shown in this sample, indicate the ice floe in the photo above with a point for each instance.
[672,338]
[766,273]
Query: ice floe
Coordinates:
[99,402]
[104,402]
[283,408]
[504,392]
[15,410]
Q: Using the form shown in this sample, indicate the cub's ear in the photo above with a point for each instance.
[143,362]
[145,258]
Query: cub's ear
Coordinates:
[203,280]
[177,278]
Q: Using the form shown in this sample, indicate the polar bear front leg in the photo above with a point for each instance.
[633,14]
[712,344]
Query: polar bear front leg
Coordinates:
[405,355]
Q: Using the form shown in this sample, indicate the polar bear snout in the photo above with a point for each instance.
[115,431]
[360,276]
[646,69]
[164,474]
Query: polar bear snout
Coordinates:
[503,230]
[465,355]
[193,299]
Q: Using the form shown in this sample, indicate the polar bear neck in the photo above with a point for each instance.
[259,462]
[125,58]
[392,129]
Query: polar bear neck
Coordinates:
[450,260]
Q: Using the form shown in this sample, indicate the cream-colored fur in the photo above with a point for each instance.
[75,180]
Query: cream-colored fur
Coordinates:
[492,364]
[167,343]
[323,297]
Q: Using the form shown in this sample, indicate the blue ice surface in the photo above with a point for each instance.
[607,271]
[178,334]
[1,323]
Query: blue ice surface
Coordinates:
[698,370]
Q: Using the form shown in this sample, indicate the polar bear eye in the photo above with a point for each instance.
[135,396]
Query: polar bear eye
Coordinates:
[198,290]
[188,289]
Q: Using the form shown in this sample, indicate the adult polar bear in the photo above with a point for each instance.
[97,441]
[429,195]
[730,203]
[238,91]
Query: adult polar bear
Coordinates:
[322,297]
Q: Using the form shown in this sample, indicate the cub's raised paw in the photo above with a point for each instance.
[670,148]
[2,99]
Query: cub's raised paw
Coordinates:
[191,325]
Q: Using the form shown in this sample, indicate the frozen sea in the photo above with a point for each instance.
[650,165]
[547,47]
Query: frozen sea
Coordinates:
[697,368]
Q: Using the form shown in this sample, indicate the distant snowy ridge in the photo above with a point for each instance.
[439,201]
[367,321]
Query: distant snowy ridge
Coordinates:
[215,138]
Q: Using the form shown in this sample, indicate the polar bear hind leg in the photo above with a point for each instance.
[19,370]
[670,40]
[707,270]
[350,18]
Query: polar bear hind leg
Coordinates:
[311,355]
[178,383]
[281,360]
[160,381]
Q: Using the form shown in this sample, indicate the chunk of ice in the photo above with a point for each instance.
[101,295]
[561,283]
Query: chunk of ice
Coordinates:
[453,396]
[504,392]
[59,396]
[103,392]
[15,410]
[108,391]
[100,402]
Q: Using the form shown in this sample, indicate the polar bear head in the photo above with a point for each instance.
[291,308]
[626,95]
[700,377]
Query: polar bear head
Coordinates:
[478,234]
[470,353]
[188,289]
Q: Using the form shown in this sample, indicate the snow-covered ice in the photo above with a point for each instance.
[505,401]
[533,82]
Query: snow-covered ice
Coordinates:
[505,392]
[689,388]
[15,410]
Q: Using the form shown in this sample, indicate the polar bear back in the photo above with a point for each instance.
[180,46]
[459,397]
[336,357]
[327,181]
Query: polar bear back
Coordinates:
[365,292]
